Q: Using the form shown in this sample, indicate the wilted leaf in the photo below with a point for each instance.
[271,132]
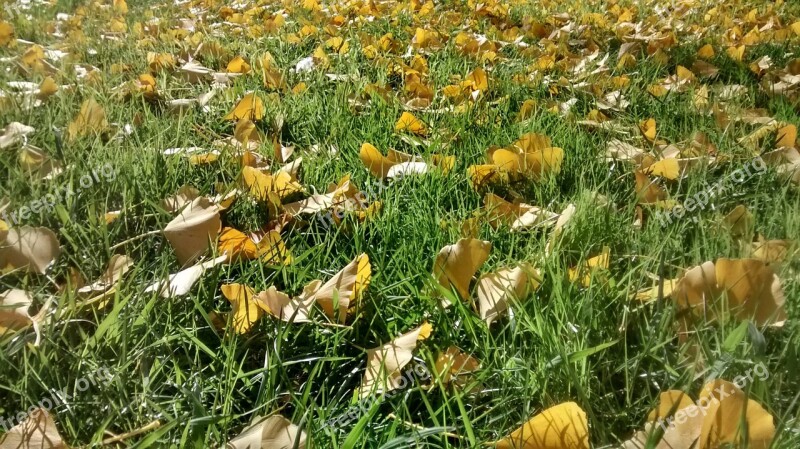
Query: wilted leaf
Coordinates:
[385,363]
[194,230]
[563,426]
[275,432]
[30,249]
[456,264]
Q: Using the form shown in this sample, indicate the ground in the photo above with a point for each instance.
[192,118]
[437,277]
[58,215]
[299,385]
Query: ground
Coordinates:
[655,137]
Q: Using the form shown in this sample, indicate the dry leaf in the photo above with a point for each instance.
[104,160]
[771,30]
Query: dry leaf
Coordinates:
[181,283]
[38,431]
[30,249]
[497,290]
[275,432]
[246,311]
[563,426]
[194,230]
[15,315]
[456,264]
[385,363]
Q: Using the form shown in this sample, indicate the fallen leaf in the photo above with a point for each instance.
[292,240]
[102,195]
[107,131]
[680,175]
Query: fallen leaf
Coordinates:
[30,249]
[385,363]
[246,311]
[180,283]
[194,230]
[456,264]
[38,431]
[274,432]
[250,107]
[499,289]
[563,426]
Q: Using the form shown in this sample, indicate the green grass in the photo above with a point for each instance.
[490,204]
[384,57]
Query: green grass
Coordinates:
[595,346]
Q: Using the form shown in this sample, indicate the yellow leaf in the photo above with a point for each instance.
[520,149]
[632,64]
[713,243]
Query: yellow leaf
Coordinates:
[499,289]
[238,65]
[245,311]
[479,80]
[193,230]
[236,245]
[648,129]
[563,426]
[407,122]
[91,119]
[668,168]
[250,107]
[385,363]
[736,53]
[272,250]
[120,7]
[378,164]
[787,136]
[728,408]
[261,184]
[6,33]
[586,270]
[657,90]
[47,88]
[705,52]
[456,264]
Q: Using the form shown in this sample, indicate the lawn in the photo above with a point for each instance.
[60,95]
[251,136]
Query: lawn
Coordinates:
[378,224]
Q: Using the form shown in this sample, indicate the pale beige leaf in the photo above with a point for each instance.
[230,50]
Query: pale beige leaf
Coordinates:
[194,230]
[38,431]
[31,249]
[275,432]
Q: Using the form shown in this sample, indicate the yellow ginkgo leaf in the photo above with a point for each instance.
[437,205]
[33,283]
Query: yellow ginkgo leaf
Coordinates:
[6,33]
[478,80]
[705,52]
[245,311]
[272,432]
[497,290]
[238,65]
[786,137]
[261,184]
[236,244]
[344,289]
[456,264]
[29,249]
[453,365]
[91,119]
[732,418]
[647,191]
[376,163]
[407,122]
[648,129]
[669,402]
[776,251]
[563,426]
[668,168]
[585,271]
[250,107]
[15,314]
[193,230]
[47,88]
[385,363]
[38,431]
[271,249]
[740,222]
